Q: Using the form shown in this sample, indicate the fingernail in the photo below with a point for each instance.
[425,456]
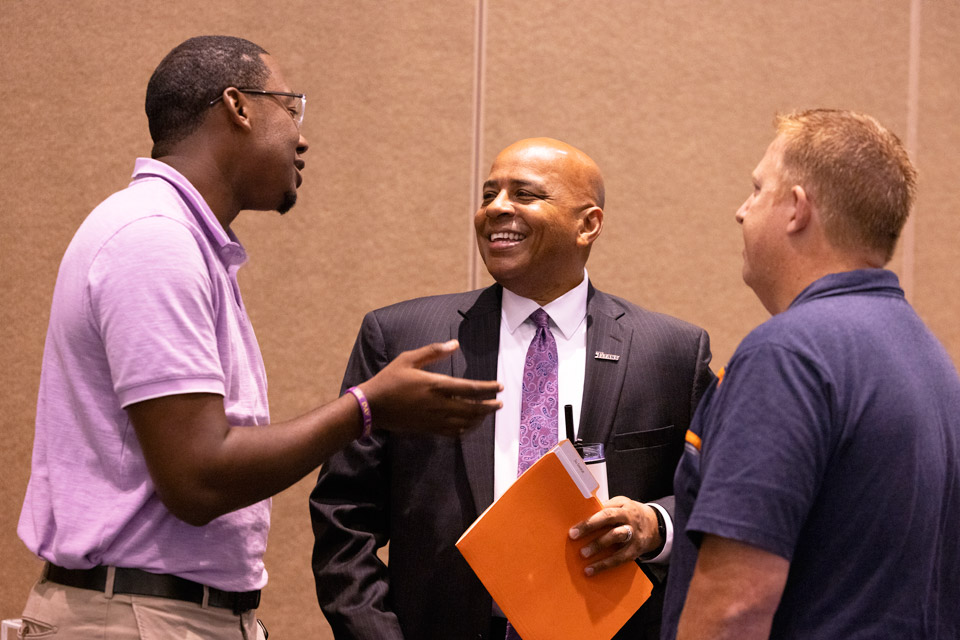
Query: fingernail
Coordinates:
[586,552]
[574,533]
[588,571]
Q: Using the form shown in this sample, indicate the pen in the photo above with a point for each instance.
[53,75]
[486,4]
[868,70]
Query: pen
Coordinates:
[568,418]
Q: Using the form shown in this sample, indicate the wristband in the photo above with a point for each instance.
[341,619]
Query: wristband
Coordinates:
[367,429]
[662,531]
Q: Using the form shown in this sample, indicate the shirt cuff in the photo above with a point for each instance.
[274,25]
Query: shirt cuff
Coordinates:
[664,556]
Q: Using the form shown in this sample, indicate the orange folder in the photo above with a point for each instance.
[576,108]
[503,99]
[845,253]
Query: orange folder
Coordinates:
[520,549]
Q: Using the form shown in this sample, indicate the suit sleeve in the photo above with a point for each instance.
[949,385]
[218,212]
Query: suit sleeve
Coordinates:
[349,511]
[702,379]
[703,376]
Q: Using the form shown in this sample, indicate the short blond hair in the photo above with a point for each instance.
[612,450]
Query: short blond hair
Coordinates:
[856,171]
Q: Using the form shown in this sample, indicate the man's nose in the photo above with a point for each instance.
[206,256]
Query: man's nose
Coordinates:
[740,212]
[500,205]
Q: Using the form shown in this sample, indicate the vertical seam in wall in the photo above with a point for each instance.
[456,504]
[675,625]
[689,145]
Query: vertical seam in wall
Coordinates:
[473,276]
[908,239]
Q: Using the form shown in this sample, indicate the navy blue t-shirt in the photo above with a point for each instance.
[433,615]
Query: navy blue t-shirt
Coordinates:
[833,440]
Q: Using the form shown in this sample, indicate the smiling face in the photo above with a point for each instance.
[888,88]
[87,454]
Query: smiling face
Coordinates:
[540,213]
[276,150]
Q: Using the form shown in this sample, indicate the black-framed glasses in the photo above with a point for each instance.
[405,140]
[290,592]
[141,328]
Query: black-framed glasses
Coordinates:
[296,109]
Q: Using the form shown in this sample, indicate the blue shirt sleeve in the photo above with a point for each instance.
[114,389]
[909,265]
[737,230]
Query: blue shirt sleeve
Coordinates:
[765,447]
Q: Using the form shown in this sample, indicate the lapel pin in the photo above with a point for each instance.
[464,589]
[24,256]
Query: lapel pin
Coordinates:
[600,355]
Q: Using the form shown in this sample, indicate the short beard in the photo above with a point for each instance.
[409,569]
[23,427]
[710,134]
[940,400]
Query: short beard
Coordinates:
[289,199]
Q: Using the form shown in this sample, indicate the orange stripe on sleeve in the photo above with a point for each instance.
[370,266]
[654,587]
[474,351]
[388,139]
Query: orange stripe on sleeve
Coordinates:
[693,439]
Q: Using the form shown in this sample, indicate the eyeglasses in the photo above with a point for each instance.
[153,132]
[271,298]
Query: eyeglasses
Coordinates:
[296,109]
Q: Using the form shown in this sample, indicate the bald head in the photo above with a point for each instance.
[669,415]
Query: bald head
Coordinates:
[541,211]
[577,169]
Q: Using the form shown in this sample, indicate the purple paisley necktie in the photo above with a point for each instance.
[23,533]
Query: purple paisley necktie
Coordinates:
[539,405]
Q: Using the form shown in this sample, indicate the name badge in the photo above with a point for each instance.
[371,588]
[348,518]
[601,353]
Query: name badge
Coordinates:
[600,355]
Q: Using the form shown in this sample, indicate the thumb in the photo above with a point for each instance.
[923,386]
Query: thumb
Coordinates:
[432,352]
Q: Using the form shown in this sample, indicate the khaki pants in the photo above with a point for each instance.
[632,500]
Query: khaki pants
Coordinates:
[58,611]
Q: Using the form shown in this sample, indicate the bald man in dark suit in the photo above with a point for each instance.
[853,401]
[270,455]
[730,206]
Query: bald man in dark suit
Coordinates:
[635,376]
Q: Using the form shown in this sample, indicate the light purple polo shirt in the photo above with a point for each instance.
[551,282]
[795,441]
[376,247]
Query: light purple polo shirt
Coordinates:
[146,305]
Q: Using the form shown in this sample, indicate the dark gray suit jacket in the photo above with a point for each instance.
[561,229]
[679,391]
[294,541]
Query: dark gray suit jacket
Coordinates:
[419,493]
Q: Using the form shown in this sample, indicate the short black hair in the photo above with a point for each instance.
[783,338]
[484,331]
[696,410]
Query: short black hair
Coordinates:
[190,76]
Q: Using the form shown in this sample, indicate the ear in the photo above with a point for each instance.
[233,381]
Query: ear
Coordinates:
[237,106]
[802,212]
[591,224]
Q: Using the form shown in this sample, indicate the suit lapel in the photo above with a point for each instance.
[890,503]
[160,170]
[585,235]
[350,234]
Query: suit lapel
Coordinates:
[603,377]
[478,331]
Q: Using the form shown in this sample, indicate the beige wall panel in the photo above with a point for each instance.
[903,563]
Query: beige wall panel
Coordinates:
[937,214]
[674,99]
[675,102]
[381,215]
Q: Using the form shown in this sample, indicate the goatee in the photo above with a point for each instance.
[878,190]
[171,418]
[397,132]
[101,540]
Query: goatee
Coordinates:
[289,199]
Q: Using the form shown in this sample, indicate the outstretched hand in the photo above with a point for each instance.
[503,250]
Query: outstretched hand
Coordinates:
[630,530]
[403,397]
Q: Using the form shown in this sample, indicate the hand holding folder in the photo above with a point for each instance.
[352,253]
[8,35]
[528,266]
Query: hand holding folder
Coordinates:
[520,549]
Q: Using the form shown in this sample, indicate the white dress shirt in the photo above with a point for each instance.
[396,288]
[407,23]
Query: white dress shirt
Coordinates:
[568,315]
[567,322]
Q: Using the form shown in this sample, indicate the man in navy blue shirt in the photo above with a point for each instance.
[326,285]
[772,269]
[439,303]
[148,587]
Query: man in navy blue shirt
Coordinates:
[819,492]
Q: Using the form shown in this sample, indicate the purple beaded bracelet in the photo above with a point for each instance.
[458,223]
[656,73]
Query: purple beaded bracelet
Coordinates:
[357,393]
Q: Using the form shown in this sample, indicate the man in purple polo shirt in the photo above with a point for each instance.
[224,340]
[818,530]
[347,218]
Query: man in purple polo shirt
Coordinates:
[154,458]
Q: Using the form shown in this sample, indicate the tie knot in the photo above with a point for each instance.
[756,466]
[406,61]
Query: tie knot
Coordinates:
[541,319]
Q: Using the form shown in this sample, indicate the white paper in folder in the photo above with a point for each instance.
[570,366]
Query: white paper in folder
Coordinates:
[597,464]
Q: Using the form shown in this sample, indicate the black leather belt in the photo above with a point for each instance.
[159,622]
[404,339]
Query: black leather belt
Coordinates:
[160,585]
